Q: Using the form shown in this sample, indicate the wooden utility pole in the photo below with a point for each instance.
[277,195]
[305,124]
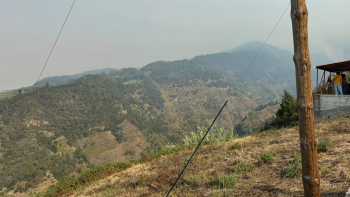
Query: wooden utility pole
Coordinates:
[308,144]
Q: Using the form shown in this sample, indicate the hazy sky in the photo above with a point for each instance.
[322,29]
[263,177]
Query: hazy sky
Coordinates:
[130,33]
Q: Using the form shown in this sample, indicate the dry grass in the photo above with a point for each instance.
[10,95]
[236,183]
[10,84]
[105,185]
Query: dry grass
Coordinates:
[223,162]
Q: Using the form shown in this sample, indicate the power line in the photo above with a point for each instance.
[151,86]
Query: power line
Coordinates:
[55,43]
[197,148]
[225,104]
[265,41]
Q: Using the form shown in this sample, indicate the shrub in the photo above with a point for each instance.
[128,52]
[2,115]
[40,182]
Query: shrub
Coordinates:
[196,180]
[143,180]
[129,152]
[324,170]
[321,89]
[324,145]
[110,192]
[240,167]
[266,157]
[320,155]
[237,145]
[348,77]
[294,167]
[90,175]
[214,135]
[286,115]
[225,181]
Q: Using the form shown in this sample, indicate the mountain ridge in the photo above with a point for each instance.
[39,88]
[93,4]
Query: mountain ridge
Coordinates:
[135,112]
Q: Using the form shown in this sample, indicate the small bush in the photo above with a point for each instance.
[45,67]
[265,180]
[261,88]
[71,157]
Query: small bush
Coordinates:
[196,180]
[240,167]
[324,145]
[215,135]
[143,181]
[129,152]
[266,157]
[110,192]
[225,181]
[324,170]
[294,167]
[237,145]
[90,175]
[320,155]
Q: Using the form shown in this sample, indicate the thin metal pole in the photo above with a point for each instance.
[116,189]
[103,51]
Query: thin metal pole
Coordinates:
[324,81]
[197,148]
[317,83]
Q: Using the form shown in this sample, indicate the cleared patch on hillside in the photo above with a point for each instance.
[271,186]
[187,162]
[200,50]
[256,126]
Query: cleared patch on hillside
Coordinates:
[47,133]
[63,147]
[102,147]
[257,165]
[6,95]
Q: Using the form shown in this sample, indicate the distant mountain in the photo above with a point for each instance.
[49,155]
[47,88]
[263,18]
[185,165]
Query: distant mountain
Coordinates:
[317,56]
[62,79]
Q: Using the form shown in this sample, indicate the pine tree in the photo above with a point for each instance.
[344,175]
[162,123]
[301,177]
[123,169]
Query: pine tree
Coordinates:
[288,107]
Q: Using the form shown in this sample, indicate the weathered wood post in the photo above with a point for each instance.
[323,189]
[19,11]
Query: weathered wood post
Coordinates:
[308,144]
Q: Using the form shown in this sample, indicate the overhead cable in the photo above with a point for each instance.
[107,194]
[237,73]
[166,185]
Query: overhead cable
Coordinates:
[251,63]
[54,44]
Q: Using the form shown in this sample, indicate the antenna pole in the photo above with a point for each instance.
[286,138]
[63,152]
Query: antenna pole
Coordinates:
[308,144]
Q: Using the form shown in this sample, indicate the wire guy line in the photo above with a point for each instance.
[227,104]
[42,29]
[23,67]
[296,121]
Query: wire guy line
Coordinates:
[251,63]
[55,43]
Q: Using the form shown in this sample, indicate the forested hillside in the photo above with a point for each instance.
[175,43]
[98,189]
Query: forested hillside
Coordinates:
[50,132]
[271,73]
[43,126]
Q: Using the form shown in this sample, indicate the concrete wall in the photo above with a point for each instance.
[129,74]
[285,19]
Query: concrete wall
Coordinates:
[331,106]
[332,114]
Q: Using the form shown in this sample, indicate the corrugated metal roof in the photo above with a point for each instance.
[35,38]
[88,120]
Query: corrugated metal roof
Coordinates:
[335,67]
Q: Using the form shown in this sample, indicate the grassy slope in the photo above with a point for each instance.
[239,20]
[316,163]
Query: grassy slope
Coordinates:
[6,95]
[240,157]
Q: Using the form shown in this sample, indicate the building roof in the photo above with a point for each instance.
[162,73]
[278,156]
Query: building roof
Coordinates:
[335,67]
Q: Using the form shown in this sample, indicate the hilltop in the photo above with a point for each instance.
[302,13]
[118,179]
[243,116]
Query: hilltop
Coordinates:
[264,164]
[61,130]
[63,79]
